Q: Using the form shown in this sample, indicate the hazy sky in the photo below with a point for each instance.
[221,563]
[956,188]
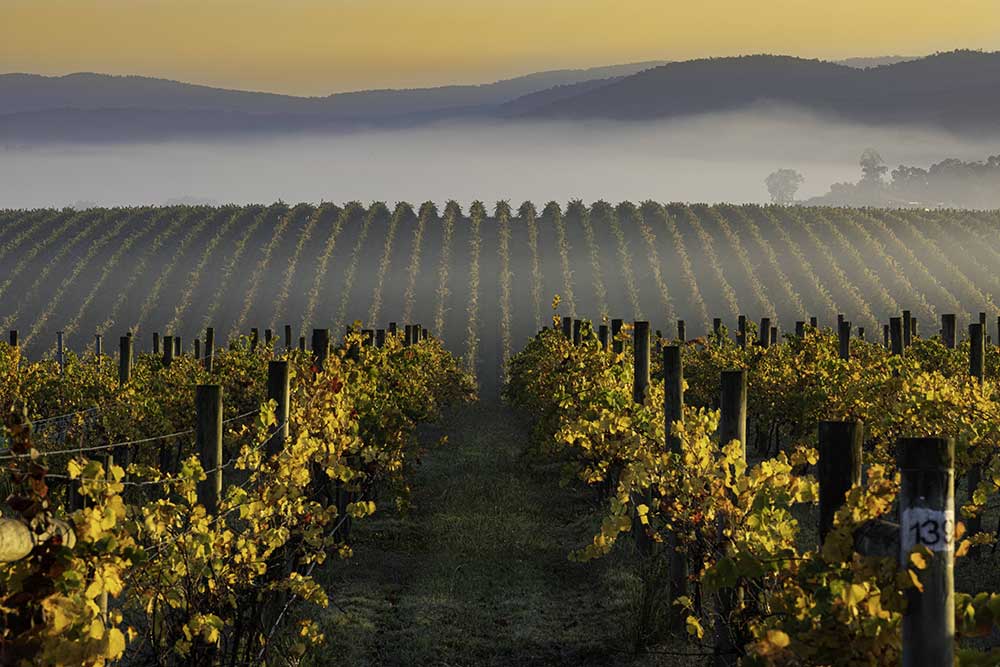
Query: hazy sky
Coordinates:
[322,46]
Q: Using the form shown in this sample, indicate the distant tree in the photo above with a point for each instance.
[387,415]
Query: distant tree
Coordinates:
[951,182]
[911,184]
[948,183]
[872,167]
[782,185]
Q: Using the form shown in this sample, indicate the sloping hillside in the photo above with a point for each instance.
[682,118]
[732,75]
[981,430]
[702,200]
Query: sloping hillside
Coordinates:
[957,91]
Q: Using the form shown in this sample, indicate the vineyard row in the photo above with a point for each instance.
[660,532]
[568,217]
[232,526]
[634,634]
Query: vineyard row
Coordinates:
[482,281]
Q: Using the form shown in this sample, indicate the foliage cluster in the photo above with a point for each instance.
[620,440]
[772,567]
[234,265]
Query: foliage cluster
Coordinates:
[145,572]
[737,520]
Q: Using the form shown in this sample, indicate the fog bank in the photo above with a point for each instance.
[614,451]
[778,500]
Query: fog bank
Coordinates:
[711,158]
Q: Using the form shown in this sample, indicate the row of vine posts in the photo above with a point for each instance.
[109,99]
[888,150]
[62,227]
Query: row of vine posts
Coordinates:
[17,540]
[926,514]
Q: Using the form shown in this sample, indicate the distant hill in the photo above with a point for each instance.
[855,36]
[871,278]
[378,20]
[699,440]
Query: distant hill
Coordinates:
[87,91]
[101,108]
[957,91]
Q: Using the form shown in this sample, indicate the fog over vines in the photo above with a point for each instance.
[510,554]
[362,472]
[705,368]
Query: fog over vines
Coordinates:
[718,157]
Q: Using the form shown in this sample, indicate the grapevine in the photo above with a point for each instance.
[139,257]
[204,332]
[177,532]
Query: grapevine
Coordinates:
[375,210]
[427,212]
[402,211]
[451,213]
[350,210]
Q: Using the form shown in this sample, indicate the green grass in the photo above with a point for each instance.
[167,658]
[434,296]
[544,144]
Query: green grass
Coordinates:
[477,572]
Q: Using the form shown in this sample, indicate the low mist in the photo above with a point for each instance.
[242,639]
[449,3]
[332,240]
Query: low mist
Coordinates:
[711,158]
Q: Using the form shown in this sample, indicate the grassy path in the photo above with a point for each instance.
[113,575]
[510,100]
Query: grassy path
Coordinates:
[477,572]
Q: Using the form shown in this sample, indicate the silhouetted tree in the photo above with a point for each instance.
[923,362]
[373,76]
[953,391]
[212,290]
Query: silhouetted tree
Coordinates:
[782,185]
[949,183]
[872,167]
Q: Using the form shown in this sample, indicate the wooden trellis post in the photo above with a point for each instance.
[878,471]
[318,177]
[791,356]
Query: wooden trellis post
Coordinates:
[168,350]
[977,351]
[839,467]
[61,352]
[640,389]
[949,330]
[732,426]
[278,391]
[977,355]
[640,354]
[673,411]
[616,343]
[764,336]
[124,360]
[208,439]
[896,335]
[321,346]
[209,349]
[927,518]
[844,337]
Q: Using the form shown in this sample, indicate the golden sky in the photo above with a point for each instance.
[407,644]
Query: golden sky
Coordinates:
[317,47]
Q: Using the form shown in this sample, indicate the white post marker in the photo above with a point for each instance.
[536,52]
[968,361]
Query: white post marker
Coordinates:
[931,528]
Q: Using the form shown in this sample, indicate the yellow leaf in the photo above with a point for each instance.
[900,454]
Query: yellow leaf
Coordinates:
[643,512]
[58,609]
[854,594]
[916,580]
[116,643]
[694,627]
[778,638]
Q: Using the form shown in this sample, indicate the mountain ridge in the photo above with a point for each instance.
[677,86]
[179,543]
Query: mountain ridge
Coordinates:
[80,90]
[956,91]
